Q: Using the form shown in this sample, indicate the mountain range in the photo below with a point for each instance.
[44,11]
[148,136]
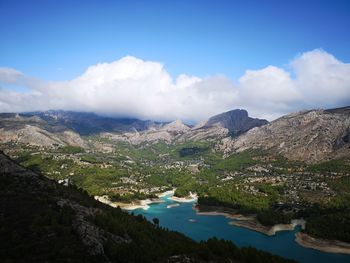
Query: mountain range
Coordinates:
[311,136]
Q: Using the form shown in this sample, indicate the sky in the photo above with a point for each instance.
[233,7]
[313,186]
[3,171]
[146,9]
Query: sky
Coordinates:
[179,59]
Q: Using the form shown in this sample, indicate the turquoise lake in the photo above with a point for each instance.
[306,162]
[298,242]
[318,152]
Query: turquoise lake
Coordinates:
[184,219]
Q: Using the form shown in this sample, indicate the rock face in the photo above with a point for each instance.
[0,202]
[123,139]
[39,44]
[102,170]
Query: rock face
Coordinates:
[65,128]
[33,130]
[310,136]
[199,133]
[175,127]
[166,132]
[233,122]
[236,121]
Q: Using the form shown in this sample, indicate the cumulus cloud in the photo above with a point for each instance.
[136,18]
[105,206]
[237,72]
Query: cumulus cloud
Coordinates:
[322,79]
[268,91]
[144,89]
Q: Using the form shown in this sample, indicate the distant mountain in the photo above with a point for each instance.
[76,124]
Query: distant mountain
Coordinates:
[43,221]
[45,128]
[310,136]
[34,130]
[236,121]
[231,123]
[166,132]
[86,123]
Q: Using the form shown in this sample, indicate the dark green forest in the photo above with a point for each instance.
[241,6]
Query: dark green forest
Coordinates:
[35,228]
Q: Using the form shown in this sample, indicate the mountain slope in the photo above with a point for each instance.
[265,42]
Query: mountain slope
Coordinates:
[236,121]
[64,128]
[168,133]
[86,123]
[231,123]
[33,130]
[310,136]
[42,221]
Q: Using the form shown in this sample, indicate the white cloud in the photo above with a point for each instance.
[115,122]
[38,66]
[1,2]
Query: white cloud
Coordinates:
[268,91]
[322,79]
[144,89]
[10,75]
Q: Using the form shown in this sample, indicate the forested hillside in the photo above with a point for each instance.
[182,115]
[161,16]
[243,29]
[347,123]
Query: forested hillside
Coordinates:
[42,221]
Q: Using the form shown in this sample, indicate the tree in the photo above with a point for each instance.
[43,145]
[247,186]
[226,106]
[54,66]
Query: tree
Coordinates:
[156,221]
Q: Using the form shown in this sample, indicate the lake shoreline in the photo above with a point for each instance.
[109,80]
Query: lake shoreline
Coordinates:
[329,246]
[193,197]
[247,221]
[268,230]
[250,222]
[137,204]
[240,220]
[220,211]
[144,204]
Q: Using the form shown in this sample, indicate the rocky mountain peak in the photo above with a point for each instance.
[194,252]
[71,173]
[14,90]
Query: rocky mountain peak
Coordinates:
[236,121]
[176,126]
[310,136]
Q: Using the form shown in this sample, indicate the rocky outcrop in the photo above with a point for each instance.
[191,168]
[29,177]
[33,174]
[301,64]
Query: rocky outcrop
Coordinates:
[30,134]
[208,133]
[73,139]
[236,121]
[32,130]
[231,123]
[311,136]
[64,128]
[166,132]
[91,235]
[33,135]
[176,127]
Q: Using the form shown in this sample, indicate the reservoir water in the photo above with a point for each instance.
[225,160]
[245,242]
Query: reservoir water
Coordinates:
[184,219]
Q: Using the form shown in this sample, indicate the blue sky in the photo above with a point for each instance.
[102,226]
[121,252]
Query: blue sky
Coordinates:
[57,40]
[174,59]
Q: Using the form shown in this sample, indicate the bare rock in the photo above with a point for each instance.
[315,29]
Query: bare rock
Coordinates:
[310,136]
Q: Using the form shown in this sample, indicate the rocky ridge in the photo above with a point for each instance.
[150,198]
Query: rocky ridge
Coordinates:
[236,121]
[310,136]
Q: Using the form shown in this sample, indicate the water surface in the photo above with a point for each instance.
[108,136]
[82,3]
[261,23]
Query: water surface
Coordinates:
[184,219]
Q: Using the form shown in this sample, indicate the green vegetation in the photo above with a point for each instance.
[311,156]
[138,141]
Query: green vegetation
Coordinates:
[89,159]
[228,196]
[33,227]
[41,230]
[235,162]
[72,149]
[331,166]
[191,151]
[329,224]
[332,219]
[135,172]
[45,164]
[151,243]
[270,217]
[115,197]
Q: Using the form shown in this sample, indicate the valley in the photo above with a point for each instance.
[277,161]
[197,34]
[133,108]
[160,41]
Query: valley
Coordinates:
[295,167]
